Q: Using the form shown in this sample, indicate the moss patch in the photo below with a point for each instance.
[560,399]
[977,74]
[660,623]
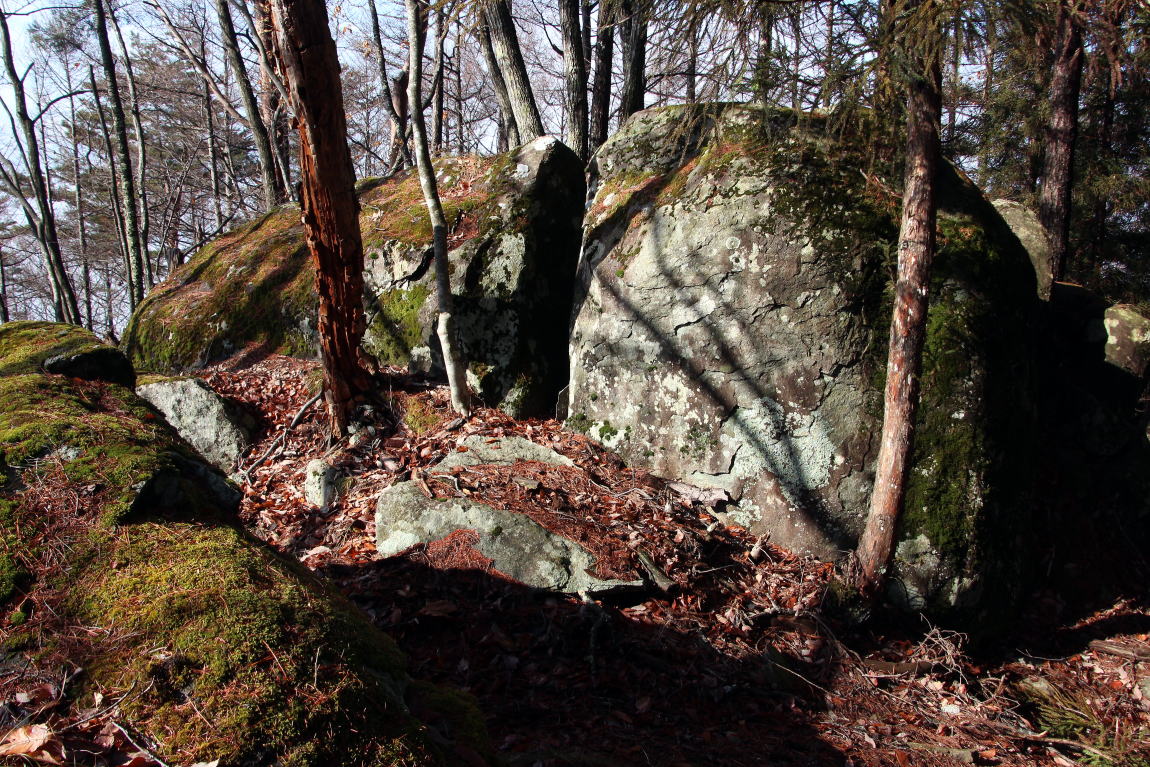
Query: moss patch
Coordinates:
[24,346]
[217,647]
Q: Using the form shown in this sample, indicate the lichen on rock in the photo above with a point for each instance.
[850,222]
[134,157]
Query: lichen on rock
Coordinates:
[731,322]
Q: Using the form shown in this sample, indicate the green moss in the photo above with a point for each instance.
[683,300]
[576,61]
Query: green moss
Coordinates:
[220,648]
[17,618]
[395,325]
[24,346]
[578,422]
[419,416]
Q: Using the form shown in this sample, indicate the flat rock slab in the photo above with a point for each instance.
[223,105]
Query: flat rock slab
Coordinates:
[505,451]
[209,423]
[518,546]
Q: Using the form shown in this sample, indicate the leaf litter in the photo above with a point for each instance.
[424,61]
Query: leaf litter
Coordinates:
[733,655]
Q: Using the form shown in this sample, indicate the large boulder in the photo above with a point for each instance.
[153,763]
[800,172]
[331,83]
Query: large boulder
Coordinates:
[730,331]
[514,231]
[1128,339]
[121,555]
[214,426]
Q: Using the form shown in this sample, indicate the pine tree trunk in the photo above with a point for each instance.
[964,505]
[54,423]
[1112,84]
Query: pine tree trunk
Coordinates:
[601,87]
[916,247]
[330,208]
[508,134]
[505,43]
[1054,197]
[575,70]
[453,360]
[273,194]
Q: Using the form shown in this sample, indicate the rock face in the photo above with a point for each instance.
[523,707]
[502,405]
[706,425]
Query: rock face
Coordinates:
[518,546]
[1128,340]
[513,243]
[1028,229]
[511,280]
[730,332]
[31,347]
[188,606]
[212,425]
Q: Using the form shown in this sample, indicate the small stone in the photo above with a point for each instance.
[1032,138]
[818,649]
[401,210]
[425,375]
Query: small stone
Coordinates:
[320,487]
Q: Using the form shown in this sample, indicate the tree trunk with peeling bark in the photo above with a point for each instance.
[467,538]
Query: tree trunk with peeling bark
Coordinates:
[1054,197]
[916,248]
[453,360]
[330,207]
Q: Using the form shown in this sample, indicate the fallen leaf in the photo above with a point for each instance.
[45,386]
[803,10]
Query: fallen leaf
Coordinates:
[25,740]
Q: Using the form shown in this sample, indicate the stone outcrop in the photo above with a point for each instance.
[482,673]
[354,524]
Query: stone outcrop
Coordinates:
[162,593]
[513,243]
[730,332]
[217,428]
[518,546]
[1028,229]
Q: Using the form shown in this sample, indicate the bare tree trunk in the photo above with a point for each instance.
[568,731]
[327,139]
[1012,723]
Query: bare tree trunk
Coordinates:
[273,93]
[42,220]
[916,247]
[113,185]
[601,87]
[140,167]
[329,204]
[273,193]
[1054,198]
[632,99]
[692,64]
[575,70]
[4,316]
[505,43]
[437,80]
[508,133]
[213,157]
[453,360]
[395,101]
[123,160]
[78,202]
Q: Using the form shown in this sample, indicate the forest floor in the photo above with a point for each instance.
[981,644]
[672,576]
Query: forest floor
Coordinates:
[743,658]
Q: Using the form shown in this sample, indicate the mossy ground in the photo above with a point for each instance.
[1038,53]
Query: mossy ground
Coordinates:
[215,646]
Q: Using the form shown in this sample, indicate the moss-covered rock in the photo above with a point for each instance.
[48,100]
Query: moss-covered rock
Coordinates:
[731,326]
[514,242]
[216,647]
[34,347]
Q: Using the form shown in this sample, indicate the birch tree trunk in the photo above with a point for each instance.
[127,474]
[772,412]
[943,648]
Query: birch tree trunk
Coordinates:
[916,247]
[330,208]
[505,43]
[452,357]
[1054,197]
